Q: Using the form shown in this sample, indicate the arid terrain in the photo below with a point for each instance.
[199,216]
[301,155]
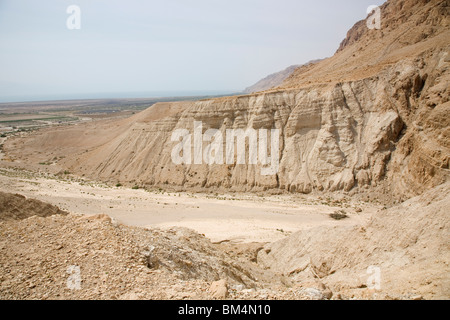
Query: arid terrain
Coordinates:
[357,210]
[275,79]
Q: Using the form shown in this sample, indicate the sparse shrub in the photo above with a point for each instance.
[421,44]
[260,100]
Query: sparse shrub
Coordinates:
[118,185]
[339,215]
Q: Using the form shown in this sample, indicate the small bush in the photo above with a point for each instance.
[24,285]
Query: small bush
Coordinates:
[135,187]
[339,215]
[118,185]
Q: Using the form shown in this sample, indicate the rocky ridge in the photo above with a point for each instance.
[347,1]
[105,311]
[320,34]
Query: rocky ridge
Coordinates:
[276,79]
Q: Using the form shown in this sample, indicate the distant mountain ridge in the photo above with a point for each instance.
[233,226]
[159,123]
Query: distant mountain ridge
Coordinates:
[277,78]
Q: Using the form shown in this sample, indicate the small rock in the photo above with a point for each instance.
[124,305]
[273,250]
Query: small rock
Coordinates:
[239,287]
[313,293]
[248,290]
[338,297]
[416,298]
[327,294]
[219,289]
[99,217]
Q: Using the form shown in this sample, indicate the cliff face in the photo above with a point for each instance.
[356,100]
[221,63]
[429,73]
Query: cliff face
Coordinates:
[375,113]
[329,140]
[333,137]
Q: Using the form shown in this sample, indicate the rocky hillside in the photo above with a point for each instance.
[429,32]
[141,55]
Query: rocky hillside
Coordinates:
[375,115]
[49,254]
[17,207]
[275,79]
[272,80]
[41,257]
[408,243]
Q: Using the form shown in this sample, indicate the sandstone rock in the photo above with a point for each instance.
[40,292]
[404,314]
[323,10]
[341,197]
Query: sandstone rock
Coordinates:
[219,289]
[98,217]
[313,293]
[316,286]
[327,294]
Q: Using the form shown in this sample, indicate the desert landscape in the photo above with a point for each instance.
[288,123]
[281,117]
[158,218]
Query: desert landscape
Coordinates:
[358,208]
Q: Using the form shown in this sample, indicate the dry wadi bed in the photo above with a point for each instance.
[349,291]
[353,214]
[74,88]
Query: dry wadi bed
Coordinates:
[409,243]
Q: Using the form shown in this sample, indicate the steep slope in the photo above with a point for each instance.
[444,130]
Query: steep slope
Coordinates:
[272,80]
[409,244]
[373,115]
[39,256]
[17,207]
[410,29]
[275,79]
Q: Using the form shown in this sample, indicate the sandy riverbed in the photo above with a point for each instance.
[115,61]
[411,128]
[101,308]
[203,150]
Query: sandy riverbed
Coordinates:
[233,217]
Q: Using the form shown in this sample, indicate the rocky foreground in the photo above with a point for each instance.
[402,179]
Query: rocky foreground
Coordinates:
[408,243]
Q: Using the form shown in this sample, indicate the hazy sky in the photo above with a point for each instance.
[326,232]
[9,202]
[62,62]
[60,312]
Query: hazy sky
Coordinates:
[145,46]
